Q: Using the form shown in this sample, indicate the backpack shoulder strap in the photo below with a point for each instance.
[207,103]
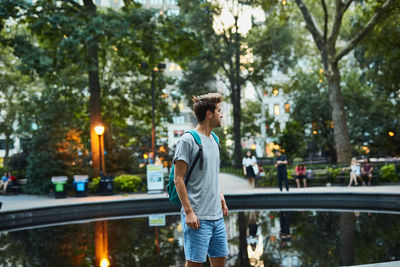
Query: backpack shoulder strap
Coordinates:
[216,139]
[196,136]
[199,156]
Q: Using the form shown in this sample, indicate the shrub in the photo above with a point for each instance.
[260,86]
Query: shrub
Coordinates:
[388,173]
[94,185]
[127,183]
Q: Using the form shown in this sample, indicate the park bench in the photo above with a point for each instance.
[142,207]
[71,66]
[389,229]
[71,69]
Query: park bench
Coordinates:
[15,188]
[321,177]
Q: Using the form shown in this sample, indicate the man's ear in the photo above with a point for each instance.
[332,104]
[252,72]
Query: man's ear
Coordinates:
[209,114]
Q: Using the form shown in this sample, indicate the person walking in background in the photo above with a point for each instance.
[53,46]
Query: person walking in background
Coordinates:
[281,166]
[203,204]
[354,171]
[366,171]
[249,163]
[301,174]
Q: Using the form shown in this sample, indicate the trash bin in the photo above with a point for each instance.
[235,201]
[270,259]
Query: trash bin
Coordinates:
[81,185]
[59,186]
[107,185]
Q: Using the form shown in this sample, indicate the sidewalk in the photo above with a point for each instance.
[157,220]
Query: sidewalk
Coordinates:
[230,185]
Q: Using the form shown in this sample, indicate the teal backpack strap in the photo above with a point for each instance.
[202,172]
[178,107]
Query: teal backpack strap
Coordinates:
[216,139]
[197,139]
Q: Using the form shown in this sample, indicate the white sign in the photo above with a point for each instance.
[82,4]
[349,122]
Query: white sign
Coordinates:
[157,220]
[155,177]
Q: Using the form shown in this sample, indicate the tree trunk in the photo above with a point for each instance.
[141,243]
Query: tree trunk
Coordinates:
[340,130]
[95,98]
[237,119]
[347,233]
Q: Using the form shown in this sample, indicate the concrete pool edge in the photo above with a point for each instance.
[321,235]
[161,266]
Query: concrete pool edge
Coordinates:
[61,214]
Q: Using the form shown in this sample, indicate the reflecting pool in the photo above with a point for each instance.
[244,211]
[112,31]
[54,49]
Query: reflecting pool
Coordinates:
[256,238]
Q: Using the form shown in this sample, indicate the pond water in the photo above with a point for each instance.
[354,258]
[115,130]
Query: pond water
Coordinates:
[256,238]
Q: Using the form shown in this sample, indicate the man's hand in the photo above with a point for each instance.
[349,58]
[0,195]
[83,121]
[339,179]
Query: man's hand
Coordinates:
[192,220]
[223,205]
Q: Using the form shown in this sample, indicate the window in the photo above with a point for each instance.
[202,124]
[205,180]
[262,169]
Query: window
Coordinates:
[3,144]
[178,119]
[287,108]
[157,2]
[172,2]
[276,109]
[275,92]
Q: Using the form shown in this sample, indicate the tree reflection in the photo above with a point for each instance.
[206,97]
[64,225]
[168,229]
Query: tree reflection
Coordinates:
[243,258]
[347,233]
[132,243]
[70,245]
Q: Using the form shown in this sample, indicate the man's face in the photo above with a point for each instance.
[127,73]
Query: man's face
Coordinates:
[277,153]
[216,117]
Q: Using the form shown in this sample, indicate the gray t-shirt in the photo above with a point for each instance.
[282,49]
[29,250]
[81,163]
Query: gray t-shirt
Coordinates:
[203,186]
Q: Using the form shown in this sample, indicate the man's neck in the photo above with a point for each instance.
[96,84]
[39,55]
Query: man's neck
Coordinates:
[204,128]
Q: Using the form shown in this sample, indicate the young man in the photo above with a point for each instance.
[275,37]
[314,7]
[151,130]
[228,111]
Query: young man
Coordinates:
[203,204]
[280,164]
[366,172]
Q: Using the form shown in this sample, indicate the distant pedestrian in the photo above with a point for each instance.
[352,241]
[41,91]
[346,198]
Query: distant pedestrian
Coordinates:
[281,166]
[301,174]
[366,171]
[249,164]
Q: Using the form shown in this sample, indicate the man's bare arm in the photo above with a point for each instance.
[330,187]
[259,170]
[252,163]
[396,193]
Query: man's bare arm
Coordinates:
[223,204]
[191,218]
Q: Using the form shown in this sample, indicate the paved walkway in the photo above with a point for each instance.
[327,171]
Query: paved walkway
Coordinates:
[230,184]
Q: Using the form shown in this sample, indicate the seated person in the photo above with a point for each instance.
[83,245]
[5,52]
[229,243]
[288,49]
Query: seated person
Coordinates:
[4,182]
[301,174]
[366,171]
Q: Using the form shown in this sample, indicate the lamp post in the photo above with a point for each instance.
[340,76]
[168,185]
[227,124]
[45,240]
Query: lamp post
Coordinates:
[160,67]
[99,131]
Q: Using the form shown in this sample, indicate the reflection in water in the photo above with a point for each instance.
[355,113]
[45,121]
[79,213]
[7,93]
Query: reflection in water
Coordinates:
[101,243]
[255,247]
[284,234]
[347,235]
[262,238]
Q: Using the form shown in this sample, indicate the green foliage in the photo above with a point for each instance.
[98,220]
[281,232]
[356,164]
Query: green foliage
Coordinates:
[309,112]
[270,178]
[388,173]
[94,185]
[292,139]
[127,183]
[234,171]
[332,172]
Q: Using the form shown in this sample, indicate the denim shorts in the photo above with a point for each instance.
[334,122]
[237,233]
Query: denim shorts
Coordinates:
[209,239]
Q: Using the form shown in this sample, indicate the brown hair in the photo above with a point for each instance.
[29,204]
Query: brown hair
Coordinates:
[205,102]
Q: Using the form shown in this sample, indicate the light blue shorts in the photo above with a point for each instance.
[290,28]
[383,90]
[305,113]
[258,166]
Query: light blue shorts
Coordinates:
[209,239]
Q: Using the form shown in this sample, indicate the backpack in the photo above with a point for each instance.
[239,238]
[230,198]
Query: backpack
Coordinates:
[172,193]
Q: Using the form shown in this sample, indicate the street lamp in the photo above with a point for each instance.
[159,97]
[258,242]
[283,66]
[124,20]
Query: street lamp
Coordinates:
[99,131]
[160,67]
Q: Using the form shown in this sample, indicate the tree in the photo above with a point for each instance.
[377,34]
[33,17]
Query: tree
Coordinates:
[228,53]
[66,38]
[310,119]
[326,41]
[12,86]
